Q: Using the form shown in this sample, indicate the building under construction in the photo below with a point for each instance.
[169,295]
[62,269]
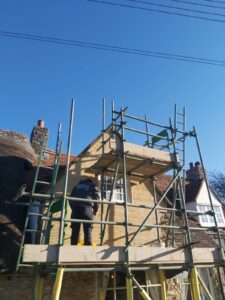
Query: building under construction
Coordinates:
[145,242]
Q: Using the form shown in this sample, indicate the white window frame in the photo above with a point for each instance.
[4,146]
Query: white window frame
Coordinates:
[118,195]
[207,220]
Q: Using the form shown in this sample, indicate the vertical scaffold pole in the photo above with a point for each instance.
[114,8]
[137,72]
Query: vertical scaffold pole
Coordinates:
[195,284]
[110,199]
[39,287]
[101,293]
[156,213]
[63,207]
[114,286]
[148,143]
[125,183]
[103,173]
[113,120]
[162,279]
[129,288]
[184,146]
[58,284]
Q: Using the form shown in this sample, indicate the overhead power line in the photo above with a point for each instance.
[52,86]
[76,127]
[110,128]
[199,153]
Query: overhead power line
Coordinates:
[215,1]
[198,4]
[177,8]
[168,12]
[112,48]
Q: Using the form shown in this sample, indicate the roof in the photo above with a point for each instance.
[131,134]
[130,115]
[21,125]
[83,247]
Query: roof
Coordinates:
[14,144]
[192,189]
[163,181]
[50,158]
[200,239]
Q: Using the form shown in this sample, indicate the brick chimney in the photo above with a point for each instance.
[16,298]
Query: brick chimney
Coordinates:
[195,172]
[39,135]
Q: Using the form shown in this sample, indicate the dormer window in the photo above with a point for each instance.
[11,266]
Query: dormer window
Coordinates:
[207,219]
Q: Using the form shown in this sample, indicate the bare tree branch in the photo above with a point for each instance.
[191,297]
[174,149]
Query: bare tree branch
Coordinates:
[217,182]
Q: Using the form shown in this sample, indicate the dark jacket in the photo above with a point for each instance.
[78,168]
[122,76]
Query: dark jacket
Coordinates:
[85,189]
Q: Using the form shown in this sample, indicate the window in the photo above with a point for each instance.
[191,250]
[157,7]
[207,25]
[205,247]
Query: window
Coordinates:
[118,193]
[207,219]
[115,285]
[219,215]
[116,288]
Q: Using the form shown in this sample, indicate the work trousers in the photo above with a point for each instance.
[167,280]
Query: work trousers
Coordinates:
[33,221]
[84,213]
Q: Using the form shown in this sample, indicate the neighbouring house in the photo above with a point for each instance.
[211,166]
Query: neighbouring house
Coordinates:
[197,197]
[197,200]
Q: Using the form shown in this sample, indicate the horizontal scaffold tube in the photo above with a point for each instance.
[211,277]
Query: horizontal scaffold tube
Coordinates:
[110,223]
[146,121]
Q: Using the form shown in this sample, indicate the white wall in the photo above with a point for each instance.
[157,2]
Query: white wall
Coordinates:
[203,197]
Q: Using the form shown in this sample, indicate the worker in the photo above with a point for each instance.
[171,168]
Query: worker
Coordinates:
[83,210]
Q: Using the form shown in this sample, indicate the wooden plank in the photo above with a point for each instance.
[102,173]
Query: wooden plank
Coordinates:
[40,253]
[145,152]
[104,254]
[116,255]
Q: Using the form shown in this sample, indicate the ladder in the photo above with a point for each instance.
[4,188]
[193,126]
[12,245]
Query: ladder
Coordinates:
[39,201]
[178,131]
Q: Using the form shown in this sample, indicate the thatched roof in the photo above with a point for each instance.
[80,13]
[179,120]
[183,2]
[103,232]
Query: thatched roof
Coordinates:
[15,144]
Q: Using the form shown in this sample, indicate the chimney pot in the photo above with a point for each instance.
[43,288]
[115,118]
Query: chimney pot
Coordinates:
[41,123]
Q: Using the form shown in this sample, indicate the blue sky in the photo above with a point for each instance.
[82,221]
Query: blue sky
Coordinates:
[38,79]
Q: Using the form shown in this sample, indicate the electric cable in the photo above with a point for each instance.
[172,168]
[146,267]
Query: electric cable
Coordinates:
[198,4]
[112,48]
[156,10]
[175,7]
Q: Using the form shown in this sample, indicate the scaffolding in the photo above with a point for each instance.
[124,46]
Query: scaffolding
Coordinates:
[120,163]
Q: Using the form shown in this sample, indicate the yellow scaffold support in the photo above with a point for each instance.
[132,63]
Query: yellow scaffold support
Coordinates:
[101,293]
[58,284]
[39,287]
[129,288]
[162,279]
[195,284]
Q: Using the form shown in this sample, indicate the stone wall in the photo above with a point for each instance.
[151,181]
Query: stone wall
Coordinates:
[216,282]
[141,193]
[80,286]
